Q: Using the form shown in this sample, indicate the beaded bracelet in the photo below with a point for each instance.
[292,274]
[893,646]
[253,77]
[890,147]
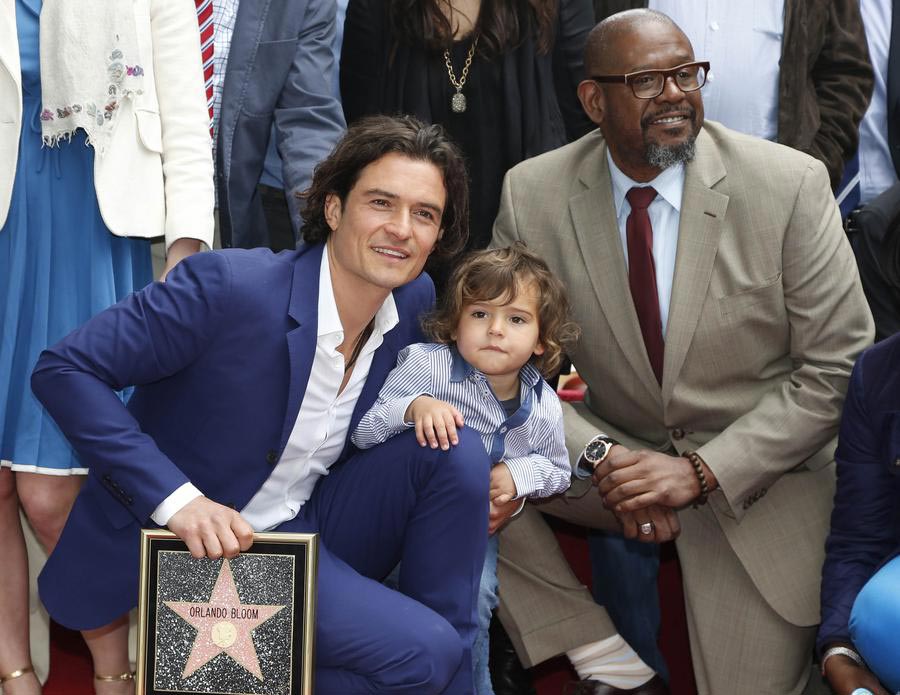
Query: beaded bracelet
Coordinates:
[697,463]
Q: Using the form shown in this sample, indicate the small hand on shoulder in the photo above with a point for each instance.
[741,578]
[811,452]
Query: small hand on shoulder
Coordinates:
[436,422]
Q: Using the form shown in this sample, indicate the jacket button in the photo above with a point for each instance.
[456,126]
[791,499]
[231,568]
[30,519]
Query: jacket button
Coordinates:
[272,457]
[107,478]
[677,434]
[897,462]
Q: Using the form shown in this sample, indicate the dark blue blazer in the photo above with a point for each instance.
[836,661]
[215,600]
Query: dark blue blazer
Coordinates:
[865,523]
[221,354]
[279,73]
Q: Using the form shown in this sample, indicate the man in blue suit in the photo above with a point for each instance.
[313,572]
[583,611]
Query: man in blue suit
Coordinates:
[251,369]
[275,115]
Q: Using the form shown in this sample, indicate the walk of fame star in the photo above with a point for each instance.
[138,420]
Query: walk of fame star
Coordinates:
[223,625]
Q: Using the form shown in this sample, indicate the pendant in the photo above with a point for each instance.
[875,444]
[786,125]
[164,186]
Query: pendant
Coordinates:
[458,103]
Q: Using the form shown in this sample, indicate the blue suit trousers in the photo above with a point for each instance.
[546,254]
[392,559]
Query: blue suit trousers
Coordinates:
[428,510]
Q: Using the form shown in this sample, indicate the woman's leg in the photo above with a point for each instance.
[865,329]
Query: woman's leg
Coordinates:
[47,501]
[14,647]
[109,650]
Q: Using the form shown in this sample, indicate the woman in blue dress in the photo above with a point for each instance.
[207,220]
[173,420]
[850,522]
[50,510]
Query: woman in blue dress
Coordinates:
[104,143]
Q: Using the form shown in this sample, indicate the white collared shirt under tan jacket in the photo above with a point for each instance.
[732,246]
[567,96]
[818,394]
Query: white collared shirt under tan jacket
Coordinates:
[766,319]
[156,177]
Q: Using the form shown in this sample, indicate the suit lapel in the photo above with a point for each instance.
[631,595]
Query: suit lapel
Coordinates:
[700,227]
[597,231]
[301,341]
[383,361]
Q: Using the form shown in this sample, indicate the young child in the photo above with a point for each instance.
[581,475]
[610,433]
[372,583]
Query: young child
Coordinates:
[503,323]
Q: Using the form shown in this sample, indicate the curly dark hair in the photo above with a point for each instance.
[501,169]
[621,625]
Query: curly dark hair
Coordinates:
[497,274]
[367,141]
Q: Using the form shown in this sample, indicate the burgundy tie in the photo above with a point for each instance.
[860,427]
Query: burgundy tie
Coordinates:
[207,32]
[642,275]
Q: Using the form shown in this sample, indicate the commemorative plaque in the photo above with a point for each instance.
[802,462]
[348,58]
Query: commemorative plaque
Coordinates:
[242,626]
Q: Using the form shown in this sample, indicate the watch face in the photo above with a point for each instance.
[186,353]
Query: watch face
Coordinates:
[596,450]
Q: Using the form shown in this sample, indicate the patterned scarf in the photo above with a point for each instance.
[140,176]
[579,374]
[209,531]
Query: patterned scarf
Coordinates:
[90,62]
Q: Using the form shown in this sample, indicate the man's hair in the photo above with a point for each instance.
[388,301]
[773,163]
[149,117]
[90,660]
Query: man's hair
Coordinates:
[497,274]
[367,141]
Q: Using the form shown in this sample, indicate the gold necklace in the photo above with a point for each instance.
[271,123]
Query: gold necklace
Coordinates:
[458,100]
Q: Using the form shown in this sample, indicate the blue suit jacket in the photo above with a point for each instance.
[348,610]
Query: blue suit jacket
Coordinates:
[279,73]
[221,354]
[865,523]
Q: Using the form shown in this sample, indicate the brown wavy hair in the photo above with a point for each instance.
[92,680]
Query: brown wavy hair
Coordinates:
[367,141]
[501,24]
[485,276]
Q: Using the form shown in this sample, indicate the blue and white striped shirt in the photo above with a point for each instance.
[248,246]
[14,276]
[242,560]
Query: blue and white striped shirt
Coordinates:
[531,441]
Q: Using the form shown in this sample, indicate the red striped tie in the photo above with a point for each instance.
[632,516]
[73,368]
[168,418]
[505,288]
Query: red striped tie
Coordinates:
[207,32]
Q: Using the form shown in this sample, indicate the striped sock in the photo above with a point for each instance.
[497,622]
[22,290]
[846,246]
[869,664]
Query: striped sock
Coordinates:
[611,661]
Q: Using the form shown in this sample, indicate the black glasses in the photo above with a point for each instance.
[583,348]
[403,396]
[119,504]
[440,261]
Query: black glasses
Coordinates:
[649,84]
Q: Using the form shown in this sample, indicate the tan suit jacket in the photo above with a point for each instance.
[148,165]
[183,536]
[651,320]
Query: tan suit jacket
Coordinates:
[765,321]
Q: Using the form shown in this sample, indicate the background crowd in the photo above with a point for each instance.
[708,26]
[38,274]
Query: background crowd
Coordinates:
[722,317]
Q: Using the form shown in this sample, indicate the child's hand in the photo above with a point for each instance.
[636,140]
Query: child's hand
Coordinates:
[503,487]
[436,422]
[502,494]
[499,514]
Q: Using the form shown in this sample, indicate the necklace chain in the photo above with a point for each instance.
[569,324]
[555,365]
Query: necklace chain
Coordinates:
[458,84]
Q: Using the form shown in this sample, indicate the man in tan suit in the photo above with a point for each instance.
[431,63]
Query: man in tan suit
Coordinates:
[760,316]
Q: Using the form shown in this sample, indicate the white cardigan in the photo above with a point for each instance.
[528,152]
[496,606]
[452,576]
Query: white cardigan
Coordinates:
[156,177]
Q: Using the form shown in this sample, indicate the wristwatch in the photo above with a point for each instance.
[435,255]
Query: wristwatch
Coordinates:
[595,453]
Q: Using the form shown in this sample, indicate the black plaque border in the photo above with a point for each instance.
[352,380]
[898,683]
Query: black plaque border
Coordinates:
[304,548]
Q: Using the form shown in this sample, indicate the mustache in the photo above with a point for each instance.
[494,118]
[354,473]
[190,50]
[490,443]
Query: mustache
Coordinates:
[687,108]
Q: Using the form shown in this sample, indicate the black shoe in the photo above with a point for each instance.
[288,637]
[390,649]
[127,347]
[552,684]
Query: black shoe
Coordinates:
[508,676]
[655,686]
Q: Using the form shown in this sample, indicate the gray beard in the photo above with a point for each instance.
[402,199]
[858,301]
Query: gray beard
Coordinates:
[665,156]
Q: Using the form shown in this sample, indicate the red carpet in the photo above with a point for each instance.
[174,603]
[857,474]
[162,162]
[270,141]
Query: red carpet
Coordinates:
[70,664]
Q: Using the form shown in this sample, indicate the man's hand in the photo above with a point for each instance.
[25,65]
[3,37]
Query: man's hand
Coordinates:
[436,422]
[211,529]
[845,675]
[631,480]
[503,487]
[664,524]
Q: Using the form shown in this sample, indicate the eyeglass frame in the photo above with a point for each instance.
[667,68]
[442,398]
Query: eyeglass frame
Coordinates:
[626,78]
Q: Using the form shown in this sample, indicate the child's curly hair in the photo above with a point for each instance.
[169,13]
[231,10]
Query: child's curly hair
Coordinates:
[497,274]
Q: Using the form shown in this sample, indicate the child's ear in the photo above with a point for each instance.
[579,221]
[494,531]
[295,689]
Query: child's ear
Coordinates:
[539,348]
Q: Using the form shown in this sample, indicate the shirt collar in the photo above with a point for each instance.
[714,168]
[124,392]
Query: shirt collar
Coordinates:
[669,184]
[460,370]
[329,321]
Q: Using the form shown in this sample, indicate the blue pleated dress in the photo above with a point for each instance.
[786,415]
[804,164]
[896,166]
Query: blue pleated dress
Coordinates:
[59,265]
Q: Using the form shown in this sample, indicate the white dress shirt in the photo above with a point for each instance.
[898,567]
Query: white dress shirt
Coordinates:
[665,214]
[322,425]
[742,42]
[876,169]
